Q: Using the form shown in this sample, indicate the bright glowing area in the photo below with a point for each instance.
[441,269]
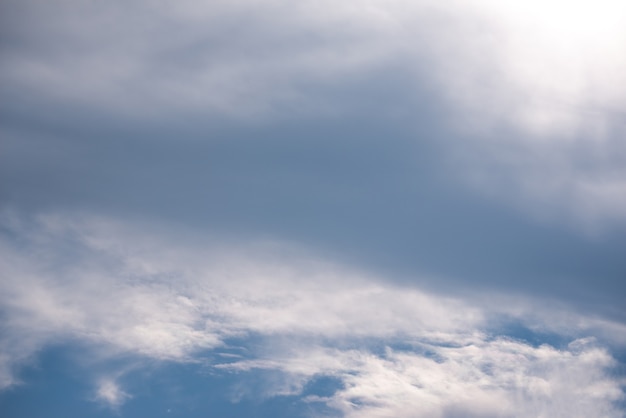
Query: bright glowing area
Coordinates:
[576,20]
[559,63]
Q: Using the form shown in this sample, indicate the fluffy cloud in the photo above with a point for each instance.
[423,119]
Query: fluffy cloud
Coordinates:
[128,292]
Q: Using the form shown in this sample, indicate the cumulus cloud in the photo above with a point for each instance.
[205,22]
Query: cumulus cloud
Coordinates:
[132,292]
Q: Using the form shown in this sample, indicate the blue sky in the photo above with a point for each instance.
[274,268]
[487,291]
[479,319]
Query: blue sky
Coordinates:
[312,209]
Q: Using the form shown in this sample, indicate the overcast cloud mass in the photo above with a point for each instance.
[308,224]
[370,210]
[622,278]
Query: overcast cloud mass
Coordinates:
[265,208]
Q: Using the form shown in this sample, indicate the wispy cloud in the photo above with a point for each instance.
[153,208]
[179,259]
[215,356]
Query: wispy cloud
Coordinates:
[121,291]
[486,377]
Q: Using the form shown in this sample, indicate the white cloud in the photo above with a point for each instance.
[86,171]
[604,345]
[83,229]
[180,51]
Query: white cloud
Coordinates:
[108,284]
[548,67]
[492,378]
[484,378]
[121,290]
[110,393]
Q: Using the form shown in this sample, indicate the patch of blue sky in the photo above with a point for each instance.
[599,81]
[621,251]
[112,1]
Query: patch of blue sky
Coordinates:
[516,329]
[57,387]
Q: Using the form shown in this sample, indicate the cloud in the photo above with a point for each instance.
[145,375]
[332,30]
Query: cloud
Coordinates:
[111,394]
[486,377]
[376,133]
[130,292]
[168,302]
[255,56]
[233,59]
[492,378]
[578,182]
[547,68]
[532,92]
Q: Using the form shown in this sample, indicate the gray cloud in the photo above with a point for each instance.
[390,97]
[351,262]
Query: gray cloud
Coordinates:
[365,193]
[236,57]
[545,120]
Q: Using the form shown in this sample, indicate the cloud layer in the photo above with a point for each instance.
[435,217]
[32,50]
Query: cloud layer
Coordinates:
[532,92]
[540,64]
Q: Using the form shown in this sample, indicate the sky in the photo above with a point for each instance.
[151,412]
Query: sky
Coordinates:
[312,208]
